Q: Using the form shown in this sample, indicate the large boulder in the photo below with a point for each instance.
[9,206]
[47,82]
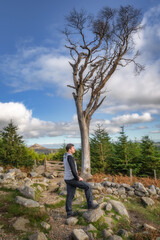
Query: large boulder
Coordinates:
[79,234]
[28,192]
[93,215]
[26,202]
[119,207]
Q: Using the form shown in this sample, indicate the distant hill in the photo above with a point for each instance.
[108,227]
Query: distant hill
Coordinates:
[40,149]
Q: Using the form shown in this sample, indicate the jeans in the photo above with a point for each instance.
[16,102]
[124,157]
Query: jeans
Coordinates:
[71,188]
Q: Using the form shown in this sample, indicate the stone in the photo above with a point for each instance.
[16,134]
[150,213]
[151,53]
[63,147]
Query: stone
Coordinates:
[63,193]
[115,237]
[130,193]
[45,225]
[121,190]
[93,215]
[109,190]
[79,234]
[53,187]
[55,174]
[139,193]
[21,224]
[148,227]
[27,192]
[139,187]
[109,221]
[107,233]
[152,190]
[26,202]
[71,221]
[147,201]
[119,207]
[33,174]
[1,169]
[158,238]
[90,227]
[109,207]
[107,184]
[123,233]
[38,236]
[125,185]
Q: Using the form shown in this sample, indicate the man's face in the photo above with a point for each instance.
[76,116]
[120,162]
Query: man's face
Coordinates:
[72,150]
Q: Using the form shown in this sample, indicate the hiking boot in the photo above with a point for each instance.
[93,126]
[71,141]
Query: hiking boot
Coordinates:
[72,214]
[93,206]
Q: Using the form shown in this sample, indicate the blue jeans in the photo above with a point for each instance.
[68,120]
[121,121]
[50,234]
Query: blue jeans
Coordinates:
[71,188]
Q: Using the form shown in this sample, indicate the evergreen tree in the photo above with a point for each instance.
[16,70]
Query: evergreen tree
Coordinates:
[12,148]
[123,159]
[100,149]
[150,157]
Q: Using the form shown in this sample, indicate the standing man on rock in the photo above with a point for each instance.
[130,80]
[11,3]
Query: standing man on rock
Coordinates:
[73,181]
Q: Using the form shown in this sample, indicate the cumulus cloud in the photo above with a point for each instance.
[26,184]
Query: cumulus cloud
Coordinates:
[37,68]
[31,127]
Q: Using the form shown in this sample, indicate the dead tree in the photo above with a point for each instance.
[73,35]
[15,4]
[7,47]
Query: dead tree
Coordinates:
[98,46]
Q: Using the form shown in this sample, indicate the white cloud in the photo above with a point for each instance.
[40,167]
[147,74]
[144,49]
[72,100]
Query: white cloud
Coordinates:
[30,127]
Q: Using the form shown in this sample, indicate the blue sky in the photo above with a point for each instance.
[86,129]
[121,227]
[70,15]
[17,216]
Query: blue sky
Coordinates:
[34,73]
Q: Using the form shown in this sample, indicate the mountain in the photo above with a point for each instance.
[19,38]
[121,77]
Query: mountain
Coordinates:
[40,149]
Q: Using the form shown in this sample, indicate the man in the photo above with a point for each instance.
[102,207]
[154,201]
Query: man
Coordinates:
[73,180]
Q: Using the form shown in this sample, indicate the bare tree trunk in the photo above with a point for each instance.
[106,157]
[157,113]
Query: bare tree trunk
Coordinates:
[85,145]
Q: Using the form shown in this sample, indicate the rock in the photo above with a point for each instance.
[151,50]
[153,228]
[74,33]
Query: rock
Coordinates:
[38,236]
[109,207]
[107,233]
[63,193]
[71,221]
[127,186]
[21,175]
[78,200]
[90,227]
[139,187]
[145,226]
[47,174]
[55,174]
[45,225]
[109,221]
[123,196]
[26,202]
[20,224]
[130,193]
[107,184]
[147,201]
[93,215]
[1,169]
[79,234]
[119,207]
[33,174]
[139,193]
[53,187]
[115,237]
[60,175]
[27,192]
[158,238]
[121,191]
[123,233]
[152,190]
[109,190]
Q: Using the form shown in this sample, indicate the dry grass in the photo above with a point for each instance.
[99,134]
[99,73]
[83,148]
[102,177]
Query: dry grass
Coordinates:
[99,177]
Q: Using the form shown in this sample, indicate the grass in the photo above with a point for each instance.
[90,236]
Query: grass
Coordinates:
[9,209]
[150,213]
[57,205]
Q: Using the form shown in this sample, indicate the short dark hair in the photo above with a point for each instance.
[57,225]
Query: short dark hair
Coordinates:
[69,146]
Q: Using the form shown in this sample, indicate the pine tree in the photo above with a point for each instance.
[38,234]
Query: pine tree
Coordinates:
[150,157]
[123,158]
[12,148]
[100,148]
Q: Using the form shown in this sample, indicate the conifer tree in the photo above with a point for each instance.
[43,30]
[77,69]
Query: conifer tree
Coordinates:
[150,157]
[12,148]
[100,148]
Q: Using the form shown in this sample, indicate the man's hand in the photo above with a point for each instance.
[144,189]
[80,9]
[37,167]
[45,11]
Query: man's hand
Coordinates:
[80,179]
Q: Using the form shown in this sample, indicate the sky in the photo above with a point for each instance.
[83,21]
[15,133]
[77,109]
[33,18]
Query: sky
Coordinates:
[35,72]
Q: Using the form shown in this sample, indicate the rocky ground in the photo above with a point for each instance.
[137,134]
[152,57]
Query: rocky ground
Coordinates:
[125,212]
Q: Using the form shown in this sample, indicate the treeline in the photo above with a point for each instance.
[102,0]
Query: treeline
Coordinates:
[106,156]
[119,157]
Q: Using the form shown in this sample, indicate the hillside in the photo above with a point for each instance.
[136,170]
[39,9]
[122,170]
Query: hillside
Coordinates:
[40,149]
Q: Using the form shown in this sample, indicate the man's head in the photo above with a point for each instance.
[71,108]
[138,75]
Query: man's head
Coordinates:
[70,148]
